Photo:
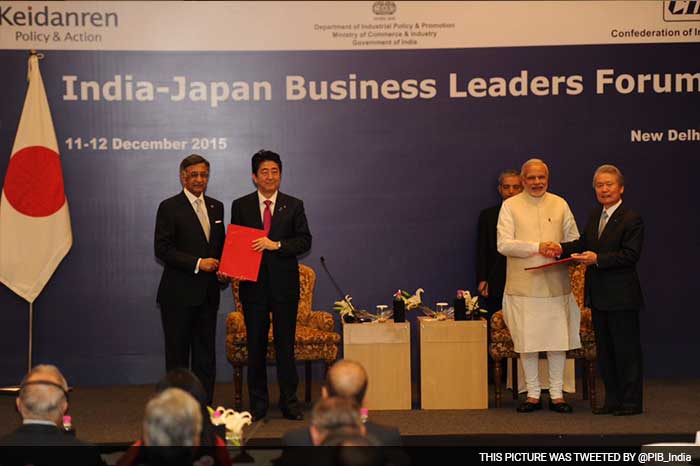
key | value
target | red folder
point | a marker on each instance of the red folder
(239, 260)
(550, 264)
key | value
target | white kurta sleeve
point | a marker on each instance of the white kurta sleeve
(570, 229)
(506, 242)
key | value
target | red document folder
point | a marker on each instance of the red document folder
(550, 264)
(238, 259)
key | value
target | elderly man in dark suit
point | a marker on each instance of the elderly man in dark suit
(276, 291)
(189, 238)
(611, 245)
(42, 402)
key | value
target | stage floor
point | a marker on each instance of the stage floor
(111, 416)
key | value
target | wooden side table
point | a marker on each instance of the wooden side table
(384, 349)
(453, 369)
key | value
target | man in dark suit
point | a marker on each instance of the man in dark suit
(189, 238)
(42, 402)
(490, 264)
(276, 291)
(347, 379)
(611, 245)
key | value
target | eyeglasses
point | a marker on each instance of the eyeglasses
(44, 382)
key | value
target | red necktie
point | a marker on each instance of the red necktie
(267, 217)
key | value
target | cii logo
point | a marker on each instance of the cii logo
(688, 10)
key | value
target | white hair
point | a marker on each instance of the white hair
(533, 162)
(611, 169)
(173, 418)
(43, 393)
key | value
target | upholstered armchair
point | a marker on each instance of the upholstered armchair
(315, 339)
(501, 346)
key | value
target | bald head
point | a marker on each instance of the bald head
(347, 379)
(42, 394)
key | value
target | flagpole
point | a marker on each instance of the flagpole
(14, 389)
(31, 340)
(35, 136)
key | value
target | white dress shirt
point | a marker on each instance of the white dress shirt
(261, 203)
(192, 198)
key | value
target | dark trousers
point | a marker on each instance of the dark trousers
(619, 356)
(257, 322)
(190, 337)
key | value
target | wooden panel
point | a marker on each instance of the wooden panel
(385, 352)
(453, 364)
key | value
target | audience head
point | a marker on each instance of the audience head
(346, 379)
(535, 176)
(509, 183)
(173, 418)
(43, 394)
(609, 184)
(185, 379)
(335, 415)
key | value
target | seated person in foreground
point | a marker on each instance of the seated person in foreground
(211, 447)
(42, 402)
(346, 379)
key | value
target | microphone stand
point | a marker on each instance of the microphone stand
(344, 295)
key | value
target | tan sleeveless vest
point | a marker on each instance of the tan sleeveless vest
(537, 219)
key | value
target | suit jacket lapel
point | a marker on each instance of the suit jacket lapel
(210, 214)
(254, 207)
(280, 210)
(614, 218)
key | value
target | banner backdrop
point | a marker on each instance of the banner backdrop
(394, 147)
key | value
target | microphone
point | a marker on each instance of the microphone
(323, 263)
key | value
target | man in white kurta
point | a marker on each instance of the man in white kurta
(538, 306)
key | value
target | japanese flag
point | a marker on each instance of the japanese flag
(35, 232)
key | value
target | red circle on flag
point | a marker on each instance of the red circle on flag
(34, 182)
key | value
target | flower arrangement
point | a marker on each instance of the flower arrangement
(472, 303)
(349, 313)
(232, 420)
(411, 301)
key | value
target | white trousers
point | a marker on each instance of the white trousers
(556, 361)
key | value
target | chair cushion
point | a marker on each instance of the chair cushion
(309, 345)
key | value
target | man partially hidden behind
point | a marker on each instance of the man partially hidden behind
(347, 379)
(538, 306)
(276, 291)
(189, 238)
(42, 402)
(490, 264)
(610, 246)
